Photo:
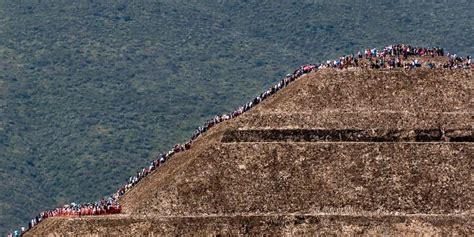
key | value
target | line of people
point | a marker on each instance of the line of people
(390, 57)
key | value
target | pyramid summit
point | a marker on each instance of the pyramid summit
(341, 147)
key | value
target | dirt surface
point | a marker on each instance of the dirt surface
(283, 168)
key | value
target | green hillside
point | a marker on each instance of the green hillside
(91, 90)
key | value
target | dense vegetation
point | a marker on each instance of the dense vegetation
(90, 90)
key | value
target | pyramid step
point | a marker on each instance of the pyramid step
(336, 119)
(225, 178)
(282, 224)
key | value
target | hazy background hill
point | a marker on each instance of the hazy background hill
(91, 90)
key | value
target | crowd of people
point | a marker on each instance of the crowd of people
(101, 207)
(390, 57)
(397, 56)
